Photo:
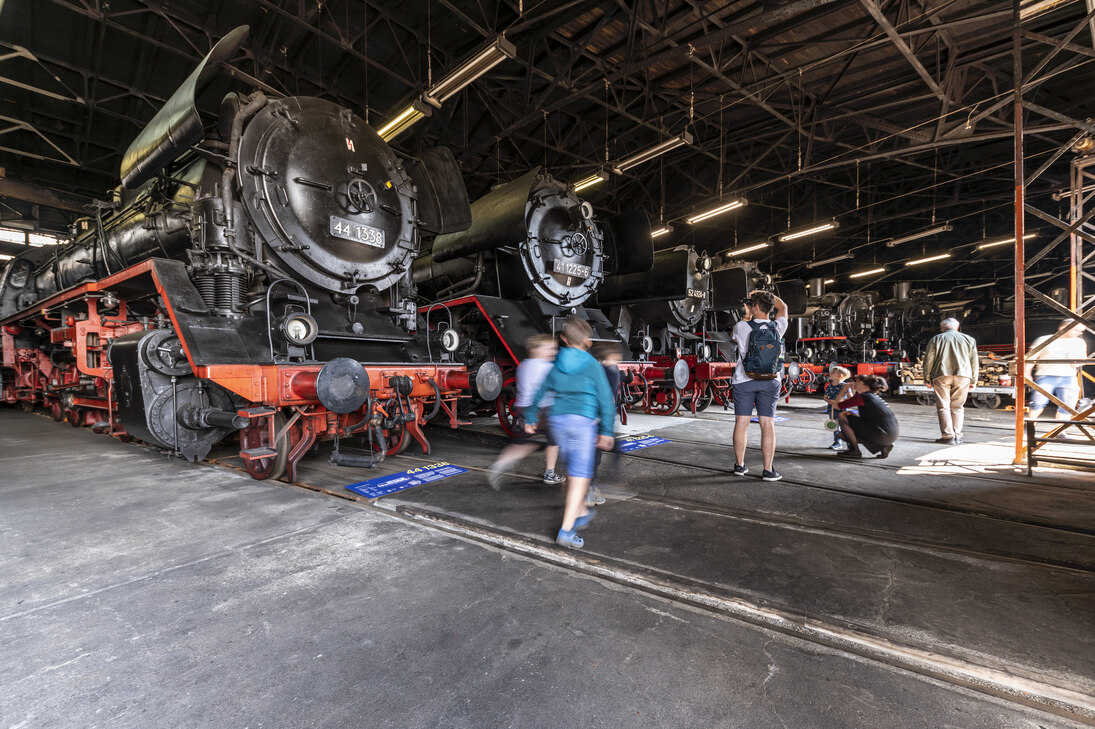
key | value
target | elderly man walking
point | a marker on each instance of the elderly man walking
(951, 365)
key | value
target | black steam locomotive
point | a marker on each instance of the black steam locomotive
(533, 255)
(252, 274)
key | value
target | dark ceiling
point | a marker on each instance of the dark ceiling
(887, 116)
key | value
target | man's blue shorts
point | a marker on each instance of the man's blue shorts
(761, 394)
(1065, 389)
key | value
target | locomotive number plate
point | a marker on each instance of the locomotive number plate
(358, 233)
(571, 269)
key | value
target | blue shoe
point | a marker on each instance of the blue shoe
(583, 521)
(838, 445)
(569, 539)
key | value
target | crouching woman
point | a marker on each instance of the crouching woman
(875, 428)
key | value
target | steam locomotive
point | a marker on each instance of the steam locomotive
(861, 331)
(249, 275)
(533, 255)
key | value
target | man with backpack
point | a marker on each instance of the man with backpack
(757, 377)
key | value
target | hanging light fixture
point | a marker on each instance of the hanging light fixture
(733, 205)
(834, 259)
(993, 244)
(480, 63)
(590, 181)
(747, 249)
(869, 272)
(656, 151)
(929, 259)
(792, 235)
(828, 281)
(661, 231)
(920, 234)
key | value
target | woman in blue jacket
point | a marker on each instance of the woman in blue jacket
(580, 419)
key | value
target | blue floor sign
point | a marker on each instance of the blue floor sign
(638, 442)
(374, 488)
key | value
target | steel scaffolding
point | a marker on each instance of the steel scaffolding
(1078, 430)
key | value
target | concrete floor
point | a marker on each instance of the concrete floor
(141, 591)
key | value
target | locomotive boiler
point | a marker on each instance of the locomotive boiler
(533, 255)
(251, 274)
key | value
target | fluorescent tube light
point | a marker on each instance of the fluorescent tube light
(870, 272)
(499, 50)
(661, 231)
(834, 259)
(590, 181)
(716, 211)
(920, 234)
(5, 257)
(403, 121)
(649, 154)
(929, 259)
(747, 249)
(792, 235)
(995, 243)
(828, 281)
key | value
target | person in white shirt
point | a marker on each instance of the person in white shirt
(1059, 379)
(749, 393)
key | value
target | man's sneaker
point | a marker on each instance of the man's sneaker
(837, 445)
(496, 473)
(958, 440)
(885, 451)
(772, 475)
(594, 496)
(851, 453)
(945, 440)
(551, 478)
(740, 470)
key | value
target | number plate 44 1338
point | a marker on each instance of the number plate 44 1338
(358, 233)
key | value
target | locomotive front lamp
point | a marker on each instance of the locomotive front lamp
(792, 235)
(590, 181)
(929, 259)
(299, 329)
(869, 272)
(733, 205)
(450, 340)
(656, 151)
(920, 234)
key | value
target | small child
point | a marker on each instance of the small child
(835, 391)
(609, 356)
(531, 374)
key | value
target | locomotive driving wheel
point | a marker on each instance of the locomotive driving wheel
(397, 439)
(662, 401)
(56, 410)
(75, 417)
(704, 400)
(504, 405)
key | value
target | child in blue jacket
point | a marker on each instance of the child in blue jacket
(581, 420)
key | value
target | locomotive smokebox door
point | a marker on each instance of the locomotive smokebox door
(328, 194)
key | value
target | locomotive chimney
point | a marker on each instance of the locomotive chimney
(817, 286)
(901, 290)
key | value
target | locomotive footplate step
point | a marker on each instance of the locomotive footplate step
(257, 454)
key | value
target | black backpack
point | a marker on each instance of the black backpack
(764, 356)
